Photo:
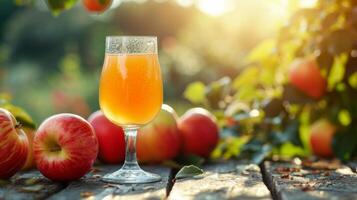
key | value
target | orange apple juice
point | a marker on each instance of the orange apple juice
(130, 92)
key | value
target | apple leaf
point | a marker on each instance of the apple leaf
(21, 116)
(337, 71)
(195, 92)
(188, 171)
(57, 6)
(33, 188)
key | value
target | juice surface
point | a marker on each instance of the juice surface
(130, 92)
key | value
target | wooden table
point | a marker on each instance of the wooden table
(225, 180)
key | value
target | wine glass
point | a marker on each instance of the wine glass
(130, 95)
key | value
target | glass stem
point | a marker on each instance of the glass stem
(130, 149)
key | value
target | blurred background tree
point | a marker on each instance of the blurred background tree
(297, 92)
(51, 64)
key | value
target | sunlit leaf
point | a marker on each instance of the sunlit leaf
(290, 150)
(262, 52)
(57, 6)
(249, 93)
(195, 92)
(267, 77)
(337, 71)
(344, 117)
(247, 77)
(234, 146)
(188, 172)
(304, 128)
(353, 80)
(21, 115)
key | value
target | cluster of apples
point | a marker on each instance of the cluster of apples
(66, 146)
(167, 136)
(306, 76)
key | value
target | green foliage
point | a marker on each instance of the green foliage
(57, 6)
(20, 114)
(267, 115)
(337, 71)
(195, 92)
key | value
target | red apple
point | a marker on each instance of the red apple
(97, 6)
(13, 145)
(199, 132)
(110, 139)
(65, 147)
(321, 136)
(305, 75)
(160, 139)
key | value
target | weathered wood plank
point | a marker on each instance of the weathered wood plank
(289, 181)
(227, 180)
(91, 187)
(29, 185)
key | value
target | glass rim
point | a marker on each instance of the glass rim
(131, 36)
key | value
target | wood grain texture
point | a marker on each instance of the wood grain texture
(28, 185)
(91, 187)
(228, 180)
(289, 181)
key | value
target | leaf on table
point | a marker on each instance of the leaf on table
(188, 171)
(31, 181)
(32, 188)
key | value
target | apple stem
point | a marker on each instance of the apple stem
(18, 125)
(130, 149)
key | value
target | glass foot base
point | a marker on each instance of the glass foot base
(131, 176)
